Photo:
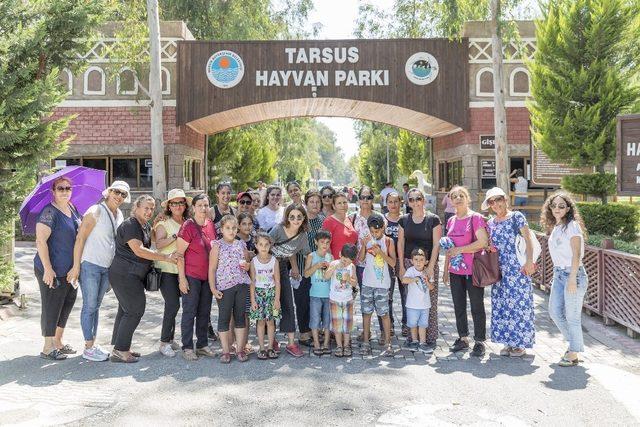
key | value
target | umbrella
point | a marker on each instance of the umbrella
(87, 186)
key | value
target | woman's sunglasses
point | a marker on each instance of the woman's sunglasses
(61, 189)
(559, 206)
(120, 193)
(296, 217)
(245, 202)
(176, 204)
(495, 200)
(327, 196)
(366, 197)
(456, 196)
(415, 199)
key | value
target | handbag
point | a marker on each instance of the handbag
(486, 265)
(521, 246)
(152, 280)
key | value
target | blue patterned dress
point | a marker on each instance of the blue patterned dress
(512, 314)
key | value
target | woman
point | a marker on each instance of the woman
(421, 229)
(326, 193)
(339, 225)
(359, 220)
(176, 210)
(193, 246)
(223, 195)
(245, 205)
(289, 239)
(92, 256)
(295, 192)
(392, 218)
(467, 230)
(512, 315)
(563, 224)
(56, 232)
(271, 212)
(127, 275)
(449, 210)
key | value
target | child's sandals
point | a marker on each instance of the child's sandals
(326, 350)
(365, 349)
(338, 352)
(271, 354)
(347, 351)
(242, 356)
(225, 358)
(262, 355)
(317, 352)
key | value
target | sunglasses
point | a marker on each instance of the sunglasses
(327, 196)
(495, 200)
(366, 197)
(245, 202)
(415, 199)
(456, 196)
(176, 204)
(559, 206)
(63, 189)
(296, 217)
(120, 193)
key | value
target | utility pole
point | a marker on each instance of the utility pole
(155, 93)
(499, 111)
(388, 175)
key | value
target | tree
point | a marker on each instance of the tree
(372, 155)
(582, 77)
(413, 153)
(37, 40)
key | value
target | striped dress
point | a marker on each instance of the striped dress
(315, 224)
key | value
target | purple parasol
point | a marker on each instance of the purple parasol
(87, 186)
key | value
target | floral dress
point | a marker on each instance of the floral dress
(512, 314)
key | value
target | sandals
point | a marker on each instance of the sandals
(517, 352)
(189, 355)
(67, 349)
(242, 356)
(119, 357)
(506, 350)
(564, 362)
(134, 353)
(318, 352)
(347, 351)
(365, 349)
(262, 355)
(326, 350)
(271, 354)
(338, 352)
(225, 358)
(54, 354)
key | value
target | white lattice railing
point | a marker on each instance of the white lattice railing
(480, 50)
(99, 52)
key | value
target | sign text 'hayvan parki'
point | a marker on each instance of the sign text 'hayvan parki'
(633, 150)
(317, 78)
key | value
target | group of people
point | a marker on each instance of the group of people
(301, 266)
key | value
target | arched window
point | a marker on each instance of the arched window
(94, 81)
(484, 82)
(66, 79)
(519, 82)
(165, 78)
(126, 82)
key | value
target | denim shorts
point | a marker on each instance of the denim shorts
(374, 299)
(417, 317)
(520, 201)
(319, 313)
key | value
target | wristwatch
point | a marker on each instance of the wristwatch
(175, 237)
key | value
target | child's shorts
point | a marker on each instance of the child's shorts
(417, 317)
(319, 313)
(341, 317)
(374, 298)
(265, 298)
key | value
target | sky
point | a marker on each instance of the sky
(337, 19)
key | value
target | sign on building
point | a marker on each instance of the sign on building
(546, 172)
(628, 158)
(487, 142)
(487, 169)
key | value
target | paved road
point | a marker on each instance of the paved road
(406, 390)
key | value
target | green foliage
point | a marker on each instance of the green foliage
(372, 157)
(413, 154)
(595, 184)
(617, 220)
(619, 245)
(582, 78)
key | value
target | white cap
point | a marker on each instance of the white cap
(176, 193)
(118, 185)
(495, 191)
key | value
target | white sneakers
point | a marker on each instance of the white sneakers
(95, 354)
(167, 350)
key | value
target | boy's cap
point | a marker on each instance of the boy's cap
(375, 220)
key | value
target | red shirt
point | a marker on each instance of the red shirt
(196, 257)
(341, 234)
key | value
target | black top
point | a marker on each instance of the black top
(418, 235)
(217, 217)
(131, 229)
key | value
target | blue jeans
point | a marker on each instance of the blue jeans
(94, 282)
(319, 313)
(565, 308)
(520, 201)
(417, 317)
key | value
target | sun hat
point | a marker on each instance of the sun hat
(176, 193)
(118, 185)
(495, 191)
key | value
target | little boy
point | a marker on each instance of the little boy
(418, 302)
(378, 252)
(342, 273)
(319, 311)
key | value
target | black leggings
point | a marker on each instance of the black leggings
(171, 295)
(288, 320)
(233, 301)
(302, 299)
(196, 310)
(460, 287)
(56, 303)
(129, 290)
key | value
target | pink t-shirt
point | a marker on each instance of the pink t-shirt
(340, 234)
(196, 257)
(460, 232)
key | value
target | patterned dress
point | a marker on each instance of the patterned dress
(512, 313)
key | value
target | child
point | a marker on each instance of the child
(245, 233)
(418, 301)
(379, 253)
(265, 294)
(319, 311)
(342, 273)
(229, 282)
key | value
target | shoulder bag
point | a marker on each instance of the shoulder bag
(521, 245)
(486, 265)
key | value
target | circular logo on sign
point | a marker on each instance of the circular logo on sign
(421, 68)
(225, 69)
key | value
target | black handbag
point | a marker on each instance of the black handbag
(152, 280)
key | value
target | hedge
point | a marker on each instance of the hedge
(615, 220)
(594, 184)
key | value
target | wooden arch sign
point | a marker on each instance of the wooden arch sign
(417, 84)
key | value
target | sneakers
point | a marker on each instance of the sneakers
(478, 349)
(205, 351)
(459, 345)
(405, 331)
(425, 348)
(387, 352)
(189, 355)
(166, 350)
(174, 345)
(95, 354)
(294, 350)
(407, 343)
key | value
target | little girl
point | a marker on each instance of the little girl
(265, 294)
(229, 282)
(246, 232)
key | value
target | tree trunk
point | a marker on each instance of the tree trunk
(499, 111)
(155, 92)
